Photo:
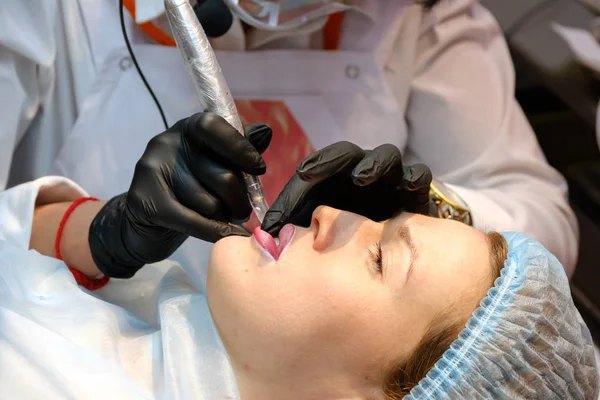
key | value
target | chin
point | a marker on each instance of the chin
(221, 265)
(228, 251)
(227, 285)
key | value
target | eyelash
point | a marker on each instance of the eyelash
(377, 257)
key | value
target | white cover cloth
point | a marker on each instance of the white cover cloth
(151, 337)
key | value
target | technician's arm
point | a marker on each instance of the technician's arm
(466, 125)
(30, 215)
(74, 247)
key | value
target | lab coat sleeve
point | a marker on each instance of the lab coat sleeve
(26, 43)
(18, 203)
(466, 125)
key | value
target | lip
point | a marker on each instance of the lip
(286, 235)
(269, 244)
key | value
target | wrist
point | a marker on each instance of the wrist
(74, 247)
(106, 241)
(445, 203)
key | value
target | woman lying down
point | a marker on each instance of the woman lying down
(370, 304)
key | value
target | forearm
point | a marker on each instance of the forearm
(74, 245)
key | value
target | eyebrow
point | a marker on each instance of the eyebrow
(404, 233)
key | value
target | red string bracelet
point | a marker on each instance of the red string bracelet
(81, 279)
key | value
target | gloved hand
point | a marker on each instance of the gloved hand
(372, 183)
(187, 183)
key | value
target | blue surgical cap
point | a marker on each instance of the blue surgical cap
(525, 341)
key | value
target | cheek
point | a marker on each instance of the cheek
(329, 299)
(351, 319)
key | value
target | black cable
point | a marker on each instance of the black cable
(524, 19)
(139, 70)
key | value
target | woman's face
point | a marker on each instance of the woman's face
(345, 299)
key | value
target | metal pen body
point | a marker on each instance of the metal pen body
(209, 82)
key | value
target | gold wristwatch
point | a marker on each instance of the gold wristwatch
(446, 203)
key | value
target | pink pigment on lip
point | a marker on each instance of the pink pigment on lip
(286, 234)
(267, 242)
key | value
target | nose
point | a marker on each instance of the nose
(335, 228)
(322, 225)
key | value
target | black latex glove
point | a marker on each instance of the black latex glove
(187, 183)
(372, 183)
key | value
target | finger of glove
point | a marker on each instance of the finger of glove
(288, 204)
(417, 177)
(225, 185)
(417, 181)
(421, 203)
(191, 194)
(259, 135)
(209, 132)
(181, 219)
(244, 229)
(329, 161)
(161, 172)
(383, 161)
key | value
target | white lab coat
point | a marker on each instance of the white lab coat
(151, 337)
(438, 85)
